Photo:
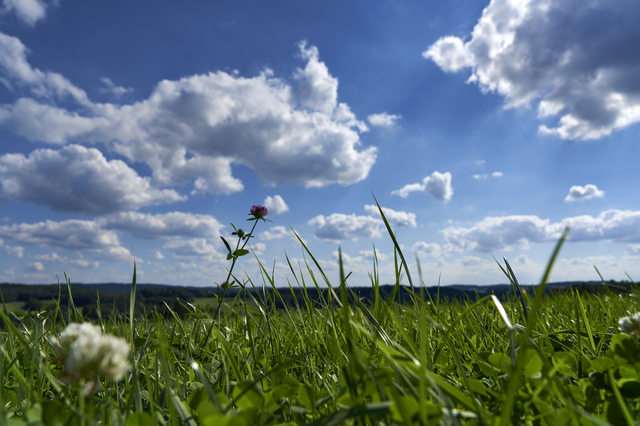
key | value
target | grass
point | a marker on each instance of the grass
(14, 306)
(532, 359)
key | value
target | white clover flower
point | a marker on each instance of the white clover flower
(630, 324)
(87, 354)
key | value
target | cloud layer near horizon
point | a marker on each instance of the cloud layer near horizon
(578, 60)
(505, 232)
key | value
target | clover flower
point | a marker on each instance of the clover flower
(630, 324)
(259, 212)
(87, 354)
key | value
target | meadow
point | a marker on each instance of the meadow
(530, 359)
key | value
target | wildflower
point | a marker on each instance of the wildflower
(630, 324)
(87, 354)
(259, 212)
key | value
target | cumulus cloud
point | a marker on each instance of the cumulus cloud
(361, 263)
(370, 255)
(397, 218)
(275, 233)
(430, 250)
(317, 90)
(29, 11)
(55, 257)
(451, 54)
(99, 240)
(579, 193)
(563, 54)
(633, 250)
(195, 248)
(276, 205)
(165, 225)
(505, 232)
(192, 130)
(501, 233)
(78, 179)
(36, 266)
(17, 251)
(17, 73)
(338, 227)
(438, 185)
(71, 234)
(383, 119)
(485, 176)
(110, 87)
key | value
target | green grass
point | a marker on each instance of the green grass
(14, 306)
(531, 359)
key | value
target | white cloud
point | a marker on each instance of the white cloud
(166, 225)
(633, 250)
(485, 176)
(383, 119)
(473, 261)
(15, 72)
(17, 251)
(98, 239)
(276, 205)
(368, 255)
(71, 234)
(88, 236)
(78, 179)
(316, 89)
(195, 128)
(275, 233)
(438, 185)
(36, 266)
(29, 11)
(258, 248)
(578, 193)
(338, 227)
(76, 262)
(158, 255)
(450, 53)
(195, 248)
(563, 54)
(397, 218)
(502, 233)
(111, 88)
(430, 250)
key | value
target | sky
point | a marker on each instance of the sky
(143, 130)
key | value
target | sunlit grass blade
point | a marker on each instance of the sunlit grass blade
(395, 243)
(515, 379)
(324, 276)
(132, 303)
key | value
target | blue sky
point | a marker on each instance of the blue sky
(483, 129)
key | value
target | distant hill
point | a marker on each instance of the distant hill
(470, 288)
(149, 297)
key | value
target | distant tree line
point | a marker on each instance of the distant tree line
(157, 298)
